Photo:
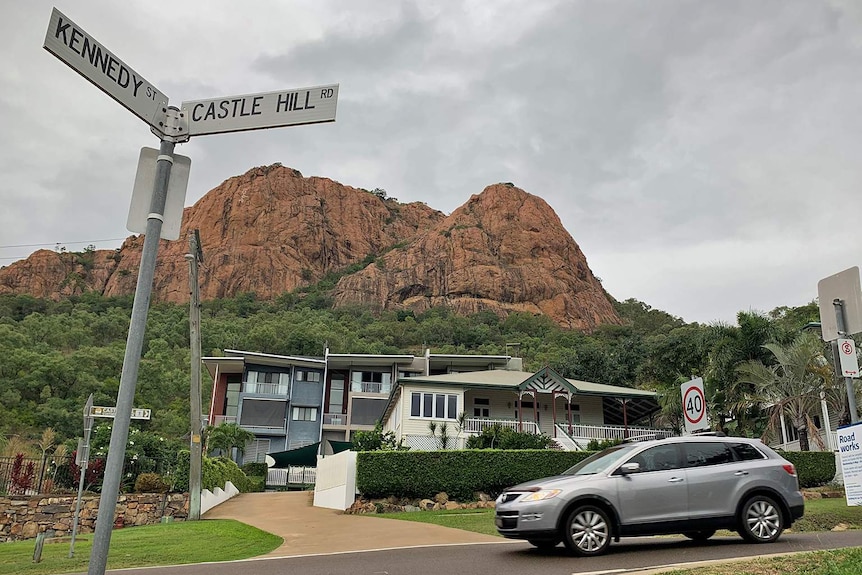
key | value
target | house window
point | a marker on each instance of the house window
(307, 375)
(263, 413)
(304, 414)
(481, 407)
(434, 405)
(370, 381)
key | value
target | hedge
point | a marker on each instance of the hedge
(422, 474)
(215, 472)
(460, 473)
(812, 467)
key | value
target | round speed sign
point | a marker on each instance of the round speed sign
(693, 404)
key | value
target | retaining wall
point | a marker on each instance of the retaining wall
(23, 517)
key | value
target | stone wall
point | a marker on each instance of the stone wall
(24, 517)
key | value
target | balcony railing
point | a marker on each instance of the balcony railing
(267, 388)
(370, 387)
(334, 419)
(472, 425)
(602, 432)
(219, 419)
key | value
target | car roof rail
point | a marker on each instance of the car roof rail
(710, 433)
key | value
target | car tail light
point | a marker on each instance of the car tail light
(789, 468)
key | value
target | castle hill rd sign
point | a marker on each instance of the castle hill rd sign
(81, 52)
(266, 110)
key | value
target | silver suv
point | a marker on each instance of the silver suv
(689, 485)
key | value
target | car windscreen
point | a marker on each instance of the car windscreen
(600, 461)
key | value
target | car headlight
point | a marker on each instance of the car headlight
(541, 495)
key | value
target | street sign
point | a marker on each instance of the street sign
(850, 456)
(847, 357)
(81, 52)
(145, 178)
(101, 411)
(257, 111)
(694, 406)
(844, 286)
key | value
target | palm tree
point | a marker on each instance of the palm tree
(227, 436)
(791, 386)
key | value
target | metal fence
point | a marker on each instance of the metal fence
(50, 475)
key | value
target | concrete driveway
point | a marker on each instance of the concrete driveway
(309, 530)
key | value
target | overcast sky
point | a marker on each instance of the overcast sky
(704, 155)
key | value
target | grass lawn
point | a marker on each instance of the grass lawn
(820, 515)
(163, 544)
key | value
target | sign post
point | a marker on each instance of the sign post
(840, 297)
(82, 459)
(81, 52)
(694, 406)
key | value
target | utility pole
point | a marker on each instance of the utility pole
(194, 257)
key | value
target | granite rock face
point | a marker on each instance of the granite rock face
(271, 231)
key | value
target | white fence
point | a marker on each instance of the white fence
(296, 476)
(478, 425)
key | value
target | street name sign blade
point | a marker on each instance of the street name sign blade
(293, 107)
(102, 411)
(81, 52)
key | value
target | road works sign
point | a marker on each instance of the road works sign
(694, 406)
(266, 110)
(68, 42)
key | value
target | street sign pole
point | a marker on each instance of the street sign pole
(195, 456)
(848, 381)
(83, 457)
(131, 363)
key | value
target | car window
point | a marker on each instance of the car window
(657, 458)
(600, 461)
(746, 452)
(707, 453)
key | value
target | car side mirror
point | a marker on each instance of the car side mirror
(628, 468)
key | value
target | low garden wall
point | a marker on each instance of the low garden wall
(23, 517)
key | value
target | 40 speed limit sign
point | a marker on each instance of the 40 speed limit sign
(694, 406)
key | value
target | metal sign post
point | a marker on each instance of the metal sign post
(83, 457)
(848, 380)
(80, 51)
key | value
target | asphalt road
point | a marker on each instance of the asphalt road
(515, 558)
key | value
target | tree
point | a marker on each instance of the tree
(226, 437)
(792, 386)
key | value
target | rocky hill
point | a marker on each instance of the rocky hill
(271, 230)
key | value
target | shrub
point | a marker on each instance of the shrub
(151, 483)
(419, 474)
(255, 469)
(499, 437)
(599, 445)
(215, 472)
(813, 468)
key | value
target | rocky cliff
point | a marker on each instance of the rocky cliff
(271, 230)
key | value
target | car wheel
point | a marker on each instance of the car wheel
(700, 535)
(760, 520)
(544, 544)
(587, 531)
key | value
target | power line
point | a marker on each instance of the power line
(61, 243)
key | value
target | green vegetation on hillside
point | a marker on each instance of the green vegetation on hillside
(56, 353)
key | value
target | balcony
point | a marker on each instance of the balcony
(476, 425)
(220, 419)
(582, 433)
(369, 387)
(334, 419)
(280, 389)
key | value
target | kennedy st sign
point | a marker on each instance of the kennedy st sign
(68, 42)
(257, 111)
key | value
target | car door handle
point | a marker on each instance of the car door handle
(674, 480)
(741, 473)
